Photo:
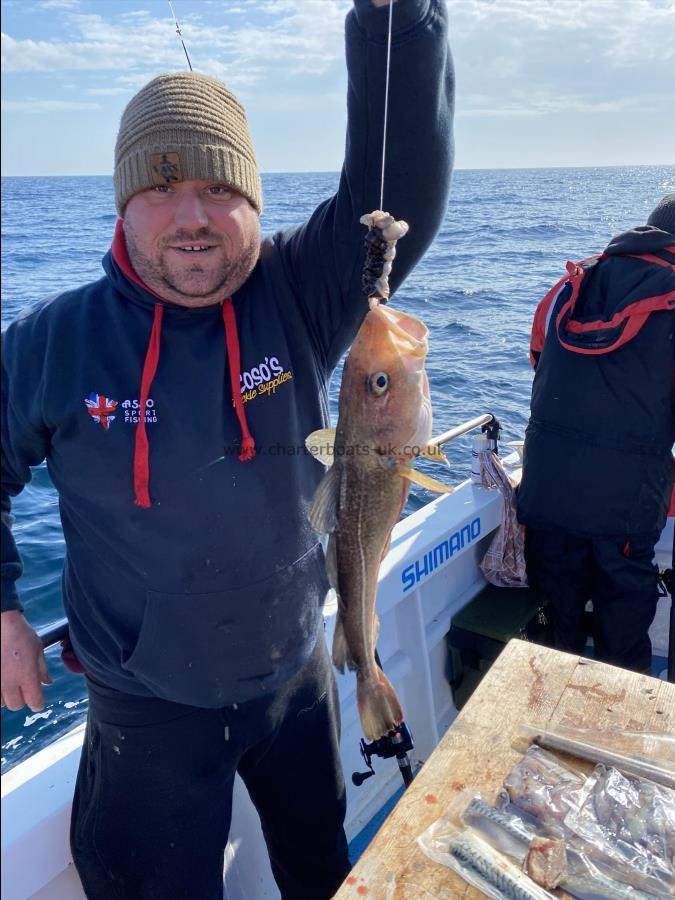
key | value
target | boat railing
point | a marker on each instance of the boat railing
(53, 633)
(487, 423)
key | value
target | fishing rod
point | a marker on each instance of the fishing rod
(180, 34)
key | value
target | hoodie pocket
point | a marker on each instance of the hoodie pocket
(228, 646)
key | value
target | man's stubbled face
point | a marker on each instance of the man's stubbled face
(193, 243)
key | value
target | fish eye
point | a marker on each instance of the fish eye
(378, 383)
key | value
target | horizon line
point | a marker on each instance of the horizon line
(337, 171)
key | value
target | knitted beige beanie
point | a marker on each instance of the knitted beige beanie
(181, 127)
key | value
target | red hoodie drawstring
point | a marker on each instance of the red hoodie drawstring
(142, 448)
(247, 449)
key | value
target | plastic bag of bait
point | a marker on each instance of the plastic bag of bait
(554, 799)
(628, 826)
(564, 860)
(540, 856)
(549, 861)
(542, 788)
(449, 842)
(645, 754)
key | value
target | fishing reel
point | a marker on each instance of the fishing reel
(395, 743)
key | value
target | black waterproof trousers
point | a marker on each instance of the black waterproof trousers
(153, 798)
(619, 576)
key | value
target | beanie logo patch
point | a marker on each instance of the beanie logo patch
(166, 168)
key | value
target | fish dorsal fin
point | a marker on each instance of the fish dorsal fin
(431, 484)
(324, 509)
(321, 444)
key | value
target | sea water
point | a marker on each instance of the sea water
(505, 240)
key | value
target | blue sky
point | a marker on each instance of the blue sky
(539, 82)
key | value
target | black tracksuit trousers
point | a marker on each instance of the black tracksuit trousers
(619, 576)
(153, 798)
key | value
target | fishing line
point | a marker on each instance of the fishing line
(180, 34)
(386, 102)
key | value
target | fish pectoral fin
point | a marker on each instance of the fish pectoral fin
(321, 445)
(431, 484)
(341, 653)
(331, 565)
(434, 453)
(324, 508)
(340, 649)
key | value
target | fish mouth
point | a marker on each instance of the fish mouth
(408, 334)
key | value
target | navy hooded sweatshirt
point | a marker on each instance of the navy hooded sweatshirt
(214, 594)
(597, 457)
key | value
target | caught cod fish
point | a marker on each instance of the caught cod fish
(384, 423)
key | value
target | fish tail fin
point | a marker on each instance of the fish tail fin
(379, 707)
(340, 647)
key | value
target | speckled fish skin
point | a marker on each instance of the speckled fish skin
(375, 432)
(507, 833)
(478, 857)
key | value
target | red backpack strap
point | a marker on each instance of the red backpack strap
(540, 321)
(545, 308)
(625, 324)
(651, 258)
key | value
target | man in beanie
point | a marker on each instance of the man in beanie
(597, 469)
(171, 400)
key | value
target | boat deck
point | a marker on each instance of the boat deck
(528, 684)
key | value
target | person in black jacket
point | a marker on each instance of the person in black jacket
(171, 400)
(597, 466)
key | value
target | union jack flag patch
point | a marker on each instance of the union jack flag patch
(101, 409)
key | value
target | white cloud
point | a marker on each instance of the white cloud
(231, 10)
(59, 4)
(298, 36)
(107, 91)
(540, 103)
(622, 32)
(543, 57)
(41, 106)
(542, 61)
(553, 106)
